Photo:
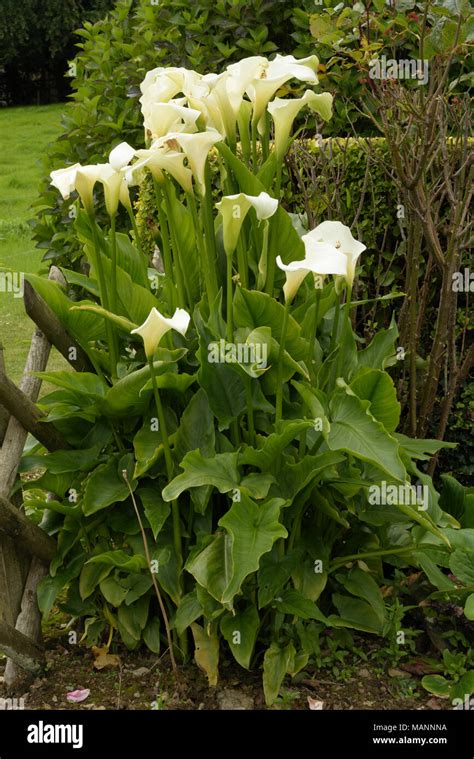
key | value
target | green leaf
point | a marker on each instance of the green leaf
(381, 350)
(104, 487)
(151, 635)
(469, 607)
(120, 559)
(211, 567)
(276, 663)
(133, 618)
(421, 449)
(274, 444)
(433, 573)
(113, 592)
(307, 581)
(187, 612)
(436, 684)
(452, 497)
(91, 576)
(293, 602)
(240, 631)
(461, 564)
(354, 430)
(220, 471)
(196, 429)
(49, 587)
(298, 476)
(156, 510)
(355, 613)
(253, 529)
(223, 386)
(254, 309)
(128, 396)
(274, 573)
(125, 324)
(61, 462)
(361, 584)
(83, 326)
(377, 387)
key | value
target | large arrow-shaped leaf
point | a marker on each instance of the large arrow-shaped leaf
(356, 431)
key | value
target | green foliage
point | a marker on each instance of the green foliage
(32, 32)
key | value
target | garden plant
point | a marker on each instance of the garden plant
(233, 483)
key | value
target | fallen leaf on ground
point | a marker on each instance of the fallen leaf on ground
(103, 659)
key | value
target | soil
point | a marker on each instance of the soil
(141, 680)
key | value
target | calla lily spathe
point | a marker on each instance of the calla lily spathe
(111, 174)
(234, 208)
(173, 116)
(339, 235)
(284, 111)
(157, 325)
(262, 78)
(320, 259)
(64, 180)
(196, 148)
(159, 159)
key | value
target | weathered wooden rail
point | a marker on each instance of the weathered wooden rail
(25, 549)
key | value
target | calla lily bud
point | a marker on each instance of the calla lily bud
(157, 325)
(284, 111)
(234, 208)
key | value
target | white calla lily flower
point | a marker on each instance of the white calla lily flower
(159, 159)
(121, 156)
(196, 148)
(86, 177)
(65, 180)
(320, 259)
(172, 116)
(156, 325)
(284, 111)
(339, 235)
(274, 75)
(234, 209)
(112, 175)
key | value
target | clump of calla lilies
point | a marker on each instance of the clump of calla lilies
(232, 269)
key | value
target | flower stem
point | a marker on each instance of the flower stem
(312, 339)
(176, 252)
(249, 401)
(254, 146)
(104, 298)
(136, 234)
(347, 316)
(202, 247)
(230, 325)
(210, 237)
(165, 238)
(335, 325)
(113, 278)
(281, 353)
(153, 575)
(263, 263)
(168, 462)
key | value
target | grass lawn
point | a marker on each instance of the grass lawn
(25, 134)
